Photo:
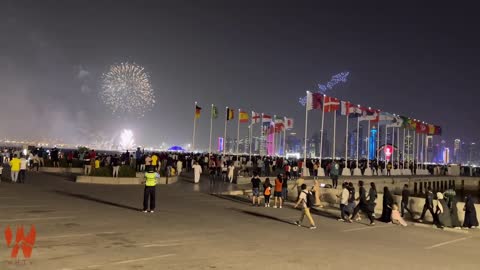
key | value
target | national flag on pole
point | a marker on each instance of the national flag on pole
(330, 104)
(288, 123)
(266, 118)
(431, 130)
(314, 101)
(396, 122)
(256, 118)
(422, 128)
(230, 114)
(214, 112)
(267, 128)
(369, 114)
(279, 125)
(411, 124)
(438, 130)
(243, 117)
(197, 111)
(350, 110)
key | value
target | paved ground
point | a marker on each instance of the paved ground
(87, 226)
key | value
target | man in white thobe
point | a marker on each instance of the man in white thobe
(197, 171)
(179, 167)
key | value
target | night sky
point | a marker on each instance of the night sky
(418, 61)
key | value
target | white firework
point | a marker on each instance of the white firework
(126, 89)
(127, 141)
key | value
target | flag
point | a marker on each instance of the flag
(267, 128)
(369, 114)
(330, 104)
(256, 118)
(345, 108)
(279, 125)
(411, 124)
(385, 116)
(396, 122)
(230, 114)
(266, 118)
(431, 130)
(314, 101)
(422, 128)
(214, 112)
(197, 112)
(288, 123)
(438, 130)
(243, 117)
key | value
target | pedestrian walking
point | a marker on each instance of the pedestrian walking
(470, 220)
(344, 216)
(428, 205)
(149, 192)
(231, 171)
(14, 168)
(387, 206)
(306, 200)
(404, 203)
(372, 197)
(285, 188)
(363, 204)
(23, 170)
(197, 171)
(334, 171)
(443, 212)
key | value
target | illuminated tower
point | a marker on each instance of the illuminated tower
(372, 144)
(456, 150)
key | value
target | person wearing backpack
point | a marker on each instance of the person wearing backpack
(307, 200)
(267, 191)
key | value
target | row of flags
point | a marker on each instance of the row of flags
(318, 101)
(277, 125)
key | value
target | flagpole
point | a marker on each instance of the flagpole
(262, 138)
(421, 149)
(211, 128)
(194, 126)
(378, 141)
(284, 136)
(408, 148)
(398, 147)
(413, 145)
(417, 152)
(346, 137)
(273, 142)
(225, 133)
(386, 140)
(334, 133)
(250, 142)
(238, 131)
(305, 138)
(358, 136)
(393, 143)
(321, 129)
(368, 143)
(403, 148)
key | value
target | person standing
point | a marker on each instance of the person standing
(155, 162)
(231, 170)
(23, 170)
(387, 206)
(86, 161)
(179, 167)
(197, 171)
(284, 188)
(54, 157)
(404, 203)
(149, 192)
(362, 204)
(278, 192)
(470, 220)
(14, 168)
(389, 169)
(115, 165)
(343, 202)
(306, 199)
(334, 171)
(267, 191)
(255, 189)
(428, 205)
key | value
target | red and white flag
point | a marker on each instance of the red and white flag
(288, 123)
(330, 104)
(256, 118)
(279, 125)
(314, 101)
(266, 118)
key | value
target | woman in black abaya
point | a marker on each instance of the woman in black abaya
(470, 220)
(387, 206)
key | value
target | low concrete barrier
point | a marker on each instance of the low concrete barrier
(121, 180)
(61, 170)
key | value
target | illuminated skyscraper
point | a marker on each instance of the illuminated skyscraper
(456, 151)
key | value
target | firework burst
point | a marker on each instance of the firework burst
(126, 89)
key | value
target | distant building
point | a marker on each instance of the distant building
(456, 151)
(473, 154)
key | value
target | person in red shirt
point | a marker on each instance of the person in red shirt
(278, 191)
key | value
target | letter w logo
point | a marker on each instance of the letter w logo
(25, 243)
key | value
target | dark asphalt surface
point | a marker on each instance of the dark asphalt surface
(88, 226)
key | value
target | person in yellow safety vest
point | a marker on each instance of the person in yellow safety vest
(149, 192)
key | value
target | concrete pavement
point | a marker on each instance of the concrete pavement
(90, 226)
